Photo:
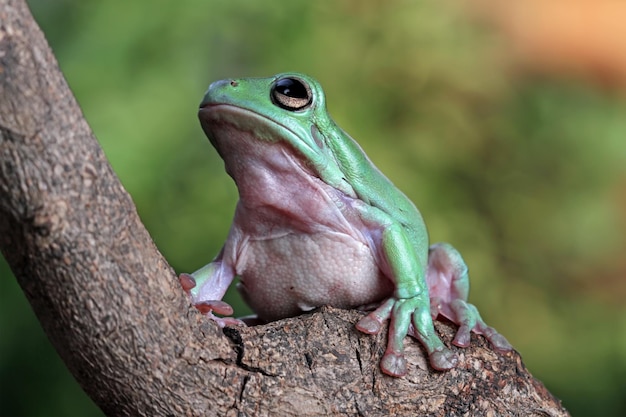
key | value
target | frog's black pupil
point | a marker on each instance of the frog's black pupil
(291, 94)
(291, 87)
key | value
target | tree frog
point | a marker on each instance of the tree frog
(318, 224)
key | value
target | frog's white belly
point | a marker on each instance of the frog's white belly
(284, 276)
(296, 242)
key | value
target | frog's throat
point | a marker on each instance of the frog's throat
(267, 129)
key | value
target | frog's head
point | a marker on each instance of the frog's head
(288, 102)
(287, 108)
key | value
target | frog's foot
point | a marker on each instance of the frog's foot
(448, 284)
(467, 317)
(394, 364)
(208, 307)
(402, 313)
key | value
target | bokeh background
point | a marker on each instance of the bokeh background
(505, 124)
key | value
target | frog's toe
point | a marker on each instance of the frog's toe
(217, 306)
(220, 307)
(187, 282)
(229, 321)
(373, 322)
(462, 337)
(498, 341)
(369, 325)
(393, 364)
(444, 359)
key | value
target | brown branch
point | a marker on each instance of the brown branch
(113, 309)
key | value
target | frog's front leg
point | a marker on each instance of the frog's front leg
(448, 283)
(207, 286)
(409, 305)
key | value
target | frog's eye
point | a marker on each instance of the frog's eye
(291, 94)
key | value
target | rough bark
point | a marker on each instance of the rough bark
(113, 309)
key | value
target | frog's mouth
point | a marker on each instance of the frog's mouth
(273, 176)
(247, 140)
(264, 128)
(242, 135)
(226, 123)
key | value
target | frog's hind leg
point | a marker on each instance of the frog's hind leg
(448, 285)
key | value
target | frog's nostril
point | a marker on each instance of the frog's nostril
(234, 83)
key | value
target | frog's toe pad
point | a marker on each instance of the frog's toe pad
(187, 282)
(393, 364)
(499, 342)
(217, 306)
(228, 321)
(463, 337)
(369, 325)
(442, 360)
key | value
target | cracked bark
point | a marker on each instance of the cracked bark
(113, 309)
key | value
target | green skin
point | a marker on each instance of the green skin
(305, 186)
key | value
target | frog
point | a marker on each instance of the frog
(317, 223)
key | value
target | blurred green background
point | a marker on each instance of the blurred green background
(526, 176)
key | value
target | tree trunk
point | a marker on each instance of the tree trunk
(113, 308)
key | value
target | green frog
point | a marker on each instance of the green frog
(318, 224)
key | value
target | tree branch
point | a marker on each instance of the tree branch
(113, 308)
